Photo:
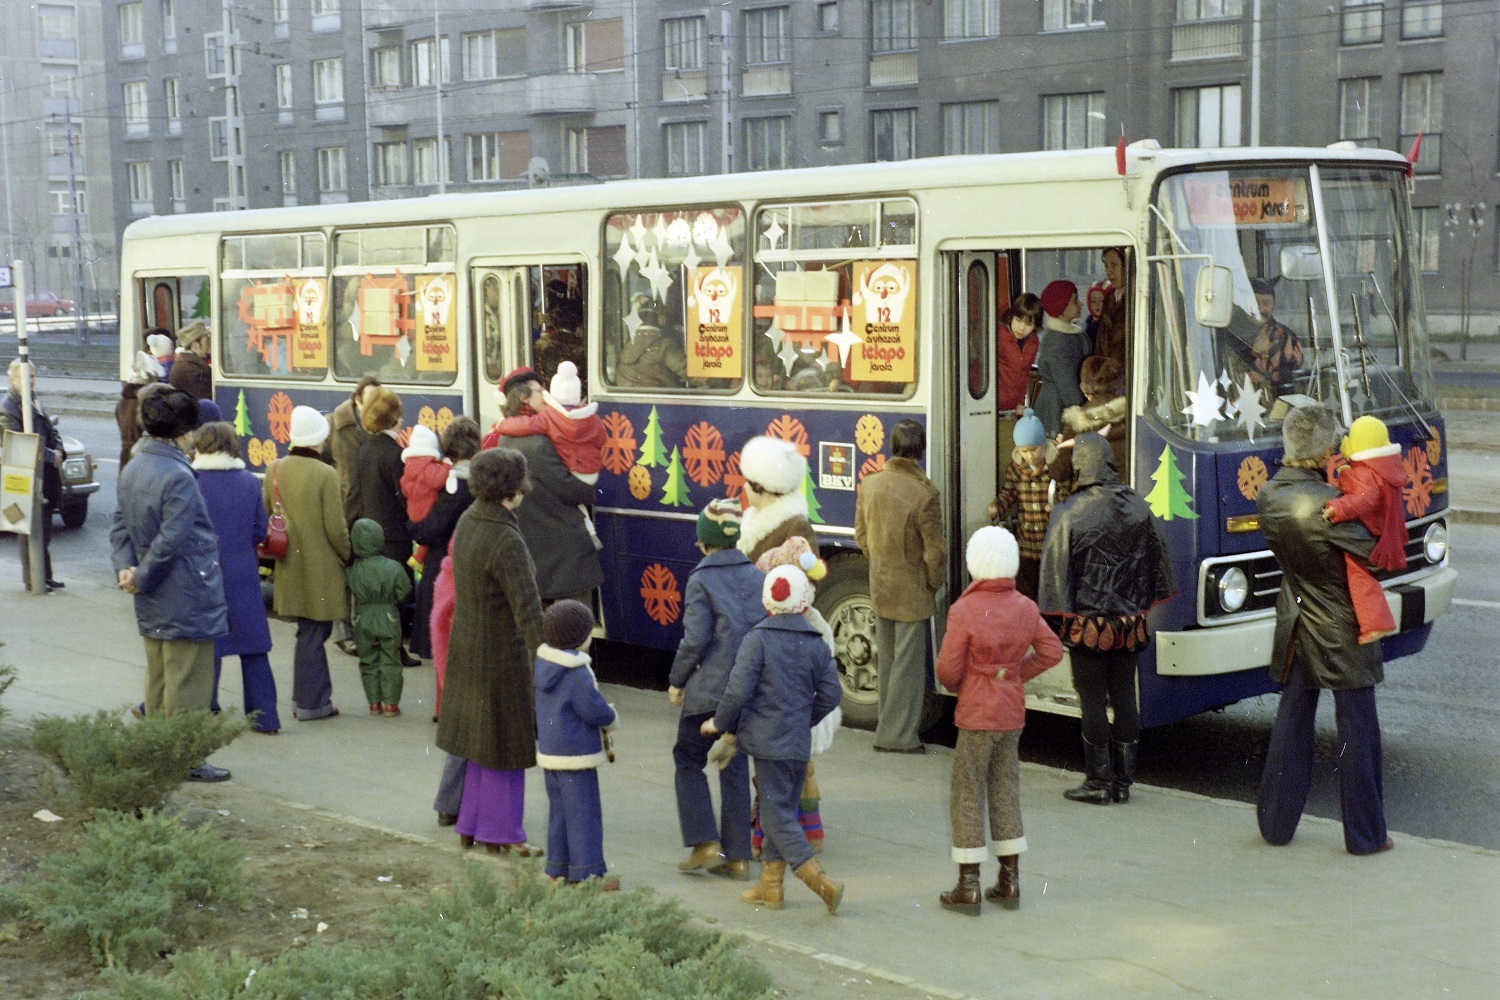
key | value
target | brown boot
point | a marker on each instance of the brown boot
(965, 896)
(829, 890)
(767, 892)
(1007, 889)
(704, 855)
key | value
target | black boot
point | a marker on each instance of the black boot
(1122, 757)
(966, 894)
(1097, 776)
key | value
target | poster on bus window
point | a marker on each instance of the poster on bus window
(715, 341)
(885, 320)
(310, 345)
(437, 326)
(1244, 201)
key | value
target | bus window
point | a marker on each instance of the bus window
(395, 305)
(976, 332)
(273, 302)
(836, 297)
(161, 302)
(673, 310)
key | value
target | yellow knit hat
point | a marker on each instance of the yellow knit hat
(1368, 438)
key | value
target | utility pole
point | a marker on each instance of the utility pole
(80, 304)
(234, 122)
(437, 83)
(726, 84)
(1255, 74)
(10, 218)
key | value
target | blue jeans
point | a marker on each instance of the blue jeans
(312, 690)
(695, 807)
(575, 825)
(780, 788)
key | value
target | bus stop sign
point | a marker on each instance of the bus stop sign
(4, 275)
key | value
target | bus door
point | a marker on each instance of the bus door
(169, 300)
(972, 451)
(531, 314)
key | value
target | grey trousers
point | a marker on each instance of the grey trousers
(902, 648)
(450, 791)
(986, 770)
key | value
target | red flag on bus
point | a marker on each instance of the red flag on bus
(1413, 153)
(1120, 155)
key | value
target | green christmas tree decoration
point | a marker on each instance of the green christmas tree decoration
(242, 417)
(675, 491)
(653, 451)
(814, 508)
(1167, 498)
(202, 306)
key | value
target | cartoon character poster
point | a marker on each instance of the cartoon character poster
(885, 307)
(310, 344)
(437, 340)
(715, 347)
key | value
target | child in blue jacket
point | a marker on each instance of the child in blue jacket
(571, 716)
(783, 683)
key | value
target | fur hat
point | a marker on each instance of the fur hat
(160, 344)
(795, 551)
(1029, 432)
(309, 428)
(719, 524)
(773, 465)
(422, 443)
(191, 333)
(146, 368)
(208, 412)
(166, 411)
(1100, 376)
(1308, 432)
(992, 554)
(786, 591)
(520, 374)
(567, 624)
(1368, 439)
(566, 387)
(381, 410)
(1057, 295)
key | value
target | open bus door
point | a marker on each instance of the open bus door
(526, 314)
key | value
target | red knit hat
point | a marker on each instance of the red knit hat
(1057, 295)
(520, 374)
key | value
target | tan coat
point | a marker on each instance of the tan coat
(310, 579)
(898, 524)
(345, 435)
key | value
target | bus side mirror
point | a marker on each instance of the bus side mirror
(1301, 263)
(1213, 297)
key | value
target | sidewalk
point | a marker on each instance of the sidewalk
(1173, 895)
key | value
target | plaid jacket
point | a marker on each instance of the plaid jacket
(1022, 502)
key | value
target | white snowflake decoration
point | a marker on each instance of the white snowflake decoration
(844, 340)
(788, 354)
(1203, 405)
(624, 256)
(1231, 408)
(660, 231)
(773, 233)
(638, 230)
(1249, 407)
(680, 233)
(723, 251)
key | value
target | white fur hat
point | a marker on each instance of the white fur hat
(309, 428)
(423, 443)
(160, 344)
(566, 387)
(992, 554)
(146, 369)
(774, 465)
(786, 591)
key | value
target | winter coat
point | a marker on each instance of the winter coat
(377, 584)
(783, 683)
(489, 716)
(423, 477)
(41, 424)
(721, 603)
(1316, 628)
(898, 524)
(1058, 364)
(440, 624)
(128, 417)
(377, 492)
(765, 528)
(435, 531)
(192, 375)
(1371, 489)
(238, 513)
(1109, 420)
(1013, 372)
(577, 434)
(1023, 503)
(570, 711)
(163, 529)
(1110, 337)
(310, 578)
(994, 643)
(553, 526)
(1104, 564)
(345, 436)
(651, 360)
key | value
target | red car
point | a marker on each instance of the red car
(40, 304)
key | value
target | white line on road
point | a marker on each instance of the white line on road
(1469, 602)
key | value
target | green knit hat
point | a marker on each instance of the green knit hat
(719, 524)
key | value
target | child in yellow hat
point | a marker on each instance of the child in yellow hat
(1371, 486)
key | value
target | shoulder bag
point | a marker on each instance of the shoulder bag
(276, 540)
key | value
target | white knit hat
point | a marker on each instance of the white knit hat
(146, 369)
(992, 554)
(309, 428)
(423, 443)
(773, 464)
(566, 387)
(786, 591)
(160, 344)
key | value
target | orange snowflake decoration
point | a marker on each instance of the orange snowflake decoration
(260, 453)
(619, 443)
(427, 418)
(734, 482)
(871, 465)
(869, 433)
(1252, 476)
(703, 453)
(1417, 493)
(660, 595)
(279, 416)
(639, 482)
(789, 428)
(1435, 447)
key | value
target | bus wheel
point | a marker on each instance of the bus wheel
(844, 600)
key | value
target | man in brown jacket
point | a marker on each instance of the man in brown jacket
(344, 439)
(898, 524)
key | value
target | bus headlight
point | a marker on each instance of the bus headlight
(1233, 589)
(1435, 542)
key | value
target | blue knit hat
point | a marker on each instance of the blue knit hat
(1029, 431)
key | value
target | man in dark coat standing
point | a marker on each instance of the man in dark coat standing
(12, 418)
(1317, 644)
(190, 371)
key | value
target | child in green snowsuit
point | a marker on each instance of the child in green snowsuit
(378, 585)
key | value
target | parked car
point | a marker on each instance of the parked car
(78, 483)
(40, 304)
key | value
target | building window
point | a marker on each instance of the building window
(828, 17)
(64, 203)
(1208, 117)
(765, 36)
(333, 177)
(62, 26)
(426, 166)
(59, 83)
(682, 42)
(328, 80)
(1208, 10)
(139, 176)
(321, 7)
(971, 127)
(288, 172)
(137, 114)
(1073, 121)
(488, 54)
(132, 30)
(971, 18)
(893, 25)
(168, 20)
(1362, 22)
(218, 138)
(1428, 226)
(175, 185)
(1422, 113)
(893, 134)
(684, 142)
(1359, 111)
(830, 127)
(174, 104)
(284, 86)
(385, 67)
(765, 143)
(57, 143)
(1060, 15)
(495, 156)
(390, 164)
(213, 54)
(596, 46)
(281, 11)
(1421, 19)
(423, 54)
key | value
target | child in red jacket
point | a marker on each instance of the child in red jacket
(995, 642)
(1371, 486)
(423, 477)
(1016, 346)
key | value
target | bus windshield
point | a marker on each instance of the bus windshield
(1359, 344)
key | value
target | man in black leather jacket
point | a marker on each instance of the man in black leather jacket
(1317, 644)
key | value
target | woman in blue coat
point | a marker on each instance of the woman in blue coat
(233, 497)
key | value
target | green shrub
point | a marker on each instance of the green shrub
(524, 938)
(7, 678)
(135, 765)
(133, 887)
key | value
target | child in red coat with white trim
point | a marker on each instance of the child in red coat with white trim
(1371, 486)
(423, 477)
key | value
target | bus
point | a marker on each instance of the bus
(824, 305)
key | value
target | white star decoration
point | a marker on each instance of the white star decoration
(1249, 407)
(624, 256)
(787, 354)
(660, 277)
(659, 231)
(638, 230)
(692, 260)
(1203, 405)
(1231, 407)
(776, 333)
(723, 252)
(844, 340)
(632, 322)
(774, 232)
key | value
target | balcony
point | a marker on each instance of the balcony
(893, 69)
(1220, 39)
(552, 5)
(684, 85)
(565, 93)
(766, 80)
(394, 109)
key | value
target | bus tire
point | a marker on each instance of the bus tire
(844, 601)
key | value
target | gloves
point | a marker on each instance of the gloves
(674, 695)
(723, 751)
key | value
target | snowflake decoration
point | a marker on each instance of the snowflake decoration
(638, 230)
(1203, 405)
(1247, 406)
(844, 340)
(787, 354)
(624, 256)
(680, 233)
(773, 233)
(692, 260)
(723, 252)
(659, 277)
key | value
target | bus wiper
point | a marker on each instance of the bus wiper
(1395, 328)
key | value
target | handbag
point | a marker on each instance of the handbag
(276, 541)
